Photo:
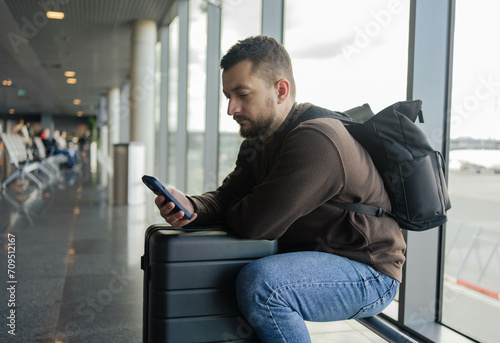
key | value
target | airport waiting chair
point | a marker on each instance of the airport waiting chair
(52, 162)
(18, 155)
(21, 206)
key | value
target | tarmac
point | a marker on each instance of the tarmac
(472, 256)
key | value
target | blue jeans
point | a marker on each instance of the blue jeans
(277, 293)
(68, 154)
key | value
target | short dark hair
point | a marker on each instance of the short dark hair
(270, 60)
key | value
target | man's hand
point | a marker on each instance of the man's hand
(176, 219)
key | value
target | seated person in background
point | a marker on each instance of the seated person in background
(60, 139)
(53, 148)
(21, 129)
(340, 264)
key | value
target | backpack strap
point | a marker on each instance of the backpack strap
(363, 209)
(315, 112)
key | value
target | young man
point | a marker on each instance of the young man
(343, 264)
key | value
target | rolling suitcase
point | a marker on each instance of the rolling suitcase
(189, 276)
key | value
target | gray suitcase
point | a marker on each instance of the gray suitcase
(189, 279)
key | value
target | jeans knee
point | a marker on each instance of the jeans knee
(252, 293)
(254, 276)
(253, 284)
(245, 281)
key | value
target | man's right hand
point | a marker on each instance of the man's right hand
(176, 219)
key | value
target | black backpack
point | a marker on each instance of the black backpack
(412, 171)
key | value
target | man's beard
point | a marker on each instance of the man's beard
(259, 126)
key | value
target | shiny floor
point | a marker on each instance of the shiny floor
(71, 265)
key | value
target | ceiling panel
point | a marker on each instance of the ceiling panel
(93, 40)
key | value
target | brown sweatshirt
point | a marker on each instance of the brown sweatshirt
(280, 188)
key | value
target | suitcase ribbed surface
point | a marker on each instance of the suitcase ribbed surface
(189, 279)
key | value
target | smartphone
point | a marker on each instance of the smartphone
(159, 189)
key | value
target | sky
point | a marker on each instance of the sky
(476, 70)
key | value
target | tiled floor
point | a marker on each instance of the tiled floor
(77, 266)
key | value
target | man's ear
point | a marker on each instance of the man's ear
(283, 90)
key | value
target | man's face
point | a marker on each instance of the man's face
(251, 101)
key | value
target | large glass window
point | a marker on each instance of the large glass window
(173, 91)
(347, 53)
(472, 260)
(159, 149)
(350, 54)
(240, 19)
(196, 94)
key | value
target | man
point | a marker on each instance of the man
(343, 264)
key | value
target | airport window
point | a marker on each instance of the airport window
(173, 77)
(348, 53)
(196, 94)
(240, 19)
(157, 113)
(472, 258)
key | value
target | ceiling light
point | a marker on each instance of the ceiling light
(71, 81)
(77, 102)
(12, 111)
(55, 15)
(7, 83)
(69, 73)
